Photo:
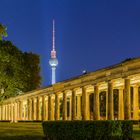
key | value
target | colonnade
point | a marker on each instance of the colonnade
(74, 104)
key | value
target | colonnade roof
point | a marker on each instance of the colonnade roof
(132, 63)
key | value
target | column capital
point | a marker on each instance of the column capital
(38, 97)
(84, 88)
(96, 84)
(120, 88)
(136, 85)
(125, 77)
(65, 91)
(111, 81)
(29, 99)
(57, 93)
(75, 89)
(43, 96)
(49, 96)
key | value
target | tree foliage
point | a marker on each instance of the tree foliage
(3, 32)
(19, 71)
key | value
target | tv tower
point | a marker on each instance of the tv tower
(53, 61)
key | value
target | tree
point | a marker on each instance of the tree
(19, 71)
(3, 32)
(31, 67)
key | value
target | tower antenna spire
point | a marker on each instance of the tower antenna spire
(53, 35)
(53, 52)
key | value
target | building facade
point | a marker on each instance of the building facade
(112, 93)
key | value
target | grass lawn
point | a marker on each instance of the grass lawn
(34, 131)
(21, 131)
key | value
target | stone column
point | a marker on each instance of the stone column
(0, 113)
(79, 107)
(50, 108)
(46, 109)
(127, 107)
(5, 112)
(110, 101)
(29, 106)
(70, 111)
(57, 107)
(28, 109)
(23, 116)
(96, 103)
(64, 106)
(14, 112)
(135, 102)
(12, 115)
(8, 112)
(73, 104)
(43, 109)
(38, 108)
(20, 109)
(106, 104)
(17, 110)
(121, 104)
(33, 109)
(85, 105)
(53, 101)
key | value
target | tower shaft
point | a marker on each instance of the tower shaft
(53, 75)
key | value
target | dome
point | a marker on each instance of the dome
(53, 62)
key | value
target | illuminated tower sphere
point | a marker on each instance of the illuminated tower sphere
(53, 61)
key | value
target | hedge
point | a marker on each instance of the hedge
(88, 130)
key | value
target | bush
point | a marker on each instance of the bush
(88, 130)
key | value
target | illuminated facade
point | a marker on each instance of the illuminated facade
(107, 94)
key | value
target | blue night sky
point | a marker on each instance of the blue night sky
(90, 34)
